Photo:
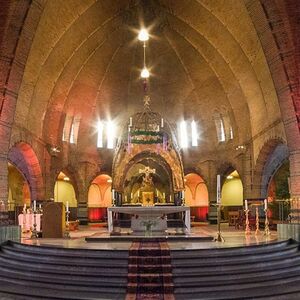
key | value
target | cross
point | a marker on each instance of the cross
(147, 171)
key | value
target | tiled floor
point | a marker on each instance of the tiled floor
(232, 236)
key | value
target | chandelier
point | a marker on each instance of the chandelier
(147, 126)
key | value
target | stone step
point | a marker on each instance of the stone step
(66, 252)
(62, 286)
(254, 250)
(286, 251)
(75, 279)
(220, 279)
(235, 260)
(11, 291)
(62, 269)
(270, 284)
(83, 261)
(250, 291)
(235, 268)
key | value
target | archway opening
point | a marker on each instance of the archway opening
(64, 192)
(18, 190)
(231, 194)
(99, 198)
(148, 182)
(279, 189)
(196, 196)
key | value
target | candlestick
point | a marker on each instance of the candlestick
(257, 221)
(218, 188)
(34, 231)
(67, 229)
(266, 204)
(267, 230)
(247, 228)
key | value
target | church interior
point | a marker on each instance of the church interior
(149, 149)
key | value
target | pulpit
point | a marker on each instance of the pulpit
(53, 220)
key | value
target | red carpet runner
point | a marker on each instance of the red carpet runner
(150, 271)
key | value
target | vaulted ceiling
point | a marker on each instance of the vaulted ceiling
(204, 55)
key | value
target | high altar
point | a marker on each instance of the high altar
(154, 214)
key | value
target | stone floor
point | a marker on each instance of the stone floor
(233, 238)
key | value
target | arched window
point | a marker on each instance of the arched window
(220, 128)
(223, 126)
(71, 128)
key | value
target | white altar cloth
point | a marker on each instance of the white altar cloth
(150, 212)
(29, 220)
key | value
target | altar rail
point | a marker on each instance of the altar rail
(10, 232)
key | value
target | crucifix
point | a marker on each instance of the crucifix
(147, 171)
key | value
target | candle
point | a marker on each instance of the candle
(130, 121)
(131, 195)
(40, 206)
(218, 188)
(164, 195)
(24, 208)
(162, 123)
(138, 193)
(112, 193)
(182, 194)
(266, 204)
(170, 198)
(67, 206)
(246, 204)
(34, 205)
(125, 198)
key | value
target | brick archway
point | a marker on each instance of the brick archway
(24, 158)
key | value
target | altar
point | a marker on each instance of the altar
(144, 214)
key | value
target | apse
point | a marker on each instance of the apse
(196, 196)
(64, 192)
(232, 190)
(99, 198)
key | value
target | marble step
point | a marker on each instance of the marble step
(236, 268)
(66, 252)
(203, 261)
(191, 281)
(62, 286)
(254, 250)
(84, 261)
(256, 290)
(11, 291)
(75, 279)
(106, 270)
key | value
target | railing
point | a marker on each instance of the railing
(286, 210)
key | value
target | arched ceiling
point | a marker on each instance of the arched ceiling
(204, 55)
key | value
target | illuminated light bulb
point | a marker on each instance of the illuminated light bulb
(145, 73)
(143, 35)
